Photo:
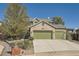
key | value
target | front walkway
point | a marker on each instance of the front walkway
(55, 46)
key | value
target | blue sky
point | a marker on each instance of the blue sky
(69, 12)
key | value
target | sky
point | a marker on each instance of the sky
(69, 12)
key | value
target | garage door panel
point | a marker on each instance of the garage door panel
(42, 34)
(59, 35)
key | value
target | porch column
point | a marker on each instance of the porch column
(53, 35)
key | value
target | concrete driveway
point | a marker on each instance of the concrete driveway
(54, 46)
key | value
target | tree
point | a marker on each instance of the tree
(58, 20)
(15, 21)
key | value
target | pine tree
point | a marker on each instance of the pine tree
(15, 21)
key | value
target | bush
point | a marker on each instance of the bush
(20, 45)
(26, 44)
(30, 38)
(12, 44)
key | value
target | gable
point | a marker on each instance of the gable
(42, 26)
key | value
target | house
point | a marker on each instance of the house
(69, 34)
(76, 34)
(44, 29)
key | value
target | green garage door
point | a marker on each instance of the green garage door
(42, 35)
(59, 35)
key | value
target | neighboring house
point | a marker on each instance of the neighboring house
(70, 33)
(76, 34)
(44, 29)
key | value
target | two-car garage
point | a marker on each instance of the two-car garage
(48, 35)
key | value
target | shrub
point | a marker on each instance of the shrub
(30, 38)
(20, 45)
(26, 44)
(12, 44)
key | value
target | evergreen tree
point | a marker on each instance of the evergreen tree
(58, 20)
(15, 21)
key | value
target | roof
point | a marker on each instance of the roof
(58, 26)
(69, 29)
(77, 30)
(39, 19)
(46, 20)
(53, 25)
